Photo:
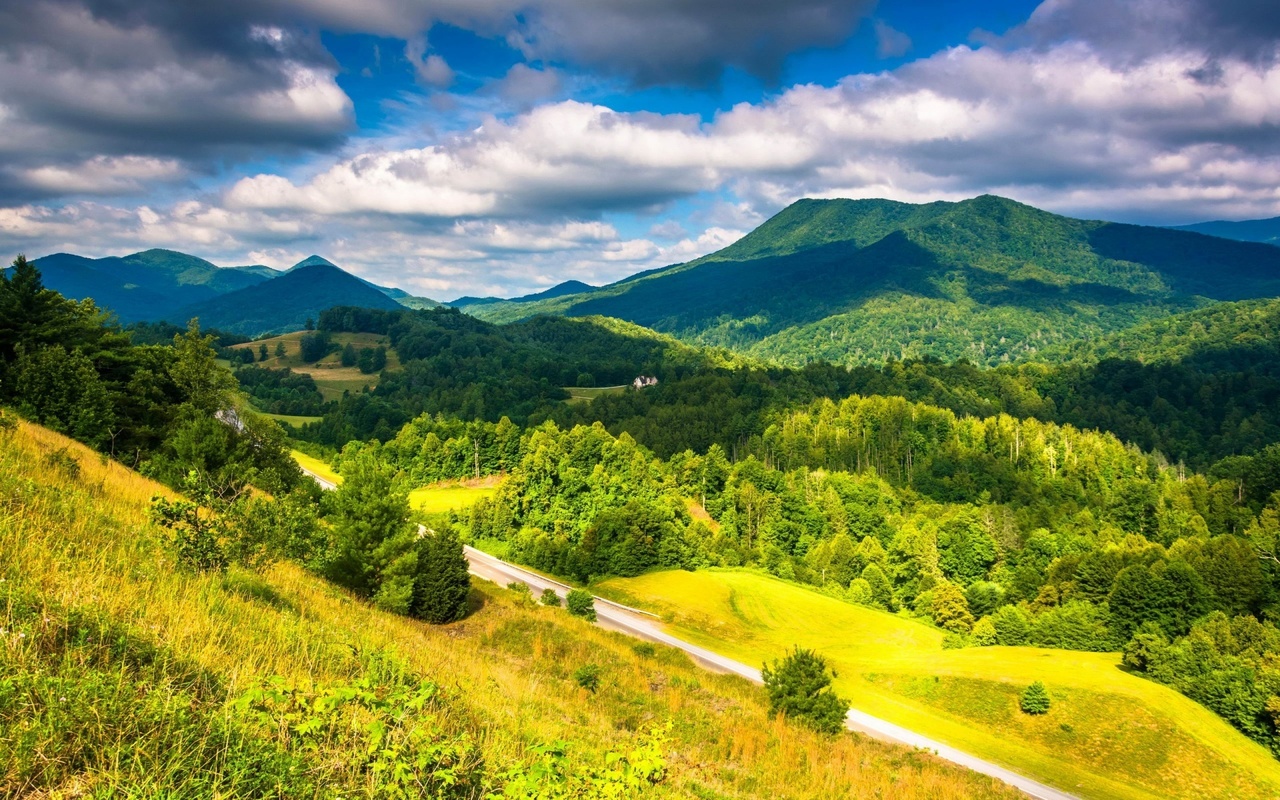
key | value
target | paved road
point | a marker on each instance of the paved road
(643, 625)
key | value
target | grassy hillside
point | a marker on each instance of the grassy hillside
(125, 676)
(985, 279)
(1109, 734)
(331, 378)
(287, 302)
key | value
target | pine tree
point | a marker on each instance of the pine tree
(798, 686)
(1035, 699)
(442, 582)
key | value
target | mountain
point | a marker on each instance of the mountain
(285, 303)
(559, 290)
(399, 295)
(986, 279)
(1266, 231)
(147, 285)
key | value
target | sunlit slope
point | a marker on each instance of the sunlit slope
(1109, 734)
(76, 550)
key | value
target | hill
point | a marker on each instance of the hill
(124, 676)
(1266, 231)
(143, 286)
(559, 290)
(987, 279)
(1109, 734)
(285, 303)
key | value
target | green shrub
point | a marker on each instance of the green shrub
(581, 604)
(644, 649)
(984, 632)
(550, 598)
(587, 676)
(1035, 699)
(1012, 625)
(799, 686)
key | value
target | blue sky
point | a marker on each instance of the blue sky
(499, 146)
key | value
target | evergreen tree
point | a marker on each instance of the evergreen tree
(950, 609)
(442, 581)
(880, 588)
(349, 355)
(798, 686)
(262, 352)
(370, 514)
(1035, 699)
(280, 349)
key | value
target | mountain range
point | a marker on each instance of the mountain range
(251, 300)
(987, 279)
(1266, 231)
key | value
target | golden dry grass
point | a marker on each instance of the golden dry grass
(83, 541)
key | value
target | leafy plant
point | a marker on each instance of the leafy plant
(581, 604)
(587, 676)
(550, 598)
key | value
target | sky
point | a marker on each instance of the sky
(498, 147)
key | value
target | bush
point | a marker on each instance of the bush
(524, 595)
(1012, 626)
(587, 676)
(581, 604)
(644, 649)
(1035, 699)
(984, 632)
(799, 686)
(550, 598)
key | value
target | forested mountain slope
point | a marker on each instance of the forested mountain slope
(1249, 230)
(987, 279)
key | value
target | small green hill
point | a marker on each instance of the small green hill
(285, 303)
(987, 279)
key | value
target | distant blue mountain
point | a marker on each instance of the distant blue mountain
(1266, 231)
(559, 290)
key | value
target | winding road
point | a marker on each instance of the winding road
(643, 625)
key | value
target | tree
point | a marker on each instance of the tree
(950, 609)
(313, 346)
(1012, 626)
(310, 325)
(581, 604)
(262, 352)
(880, 588)
(370, 514)
(1035, 699)
(799, 687)
(206, 387)
(349, 355)
(280, 349)
(63, 391)
(442, 582)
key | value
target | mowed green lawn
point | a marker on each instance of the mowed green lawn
(434, 499)
(1109, 734)
(585, 394)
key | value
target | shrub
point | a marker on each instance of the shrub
(1012, 626)
(956, 641)
(581, 604)
(587, 676)
(644, 649)
(1035, 699)
(984, 632)
(550, 598)
(799, 686)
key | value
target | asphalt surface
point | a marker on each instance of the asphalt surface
(642, 625)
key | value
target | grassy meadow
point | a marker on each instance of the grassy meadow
(451, 495)
(332, 379)
(585, 394)
(120, 673)
(316, 466)
(1109, 734)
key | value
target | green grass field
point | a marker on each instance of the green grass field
(1109, 734)
(332, 379)
(585, 394)
(434, 499)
